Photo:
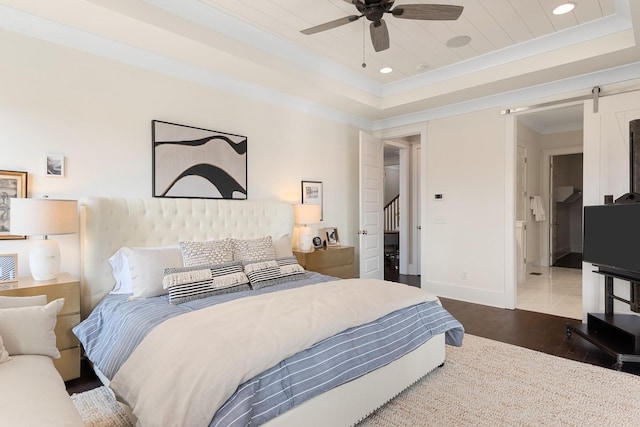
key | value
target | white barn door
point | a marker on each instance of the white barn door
(371, 205)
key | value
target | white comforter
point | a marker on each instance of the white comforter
(188, 366)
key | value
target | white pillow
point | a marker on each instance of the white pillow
(16, 302)
(121, 274)
(282, 247)
(4, 356)
(30, 330)
(146, 267)
(126, 263)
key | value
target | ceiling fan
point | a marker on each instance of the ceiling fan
(374, 10)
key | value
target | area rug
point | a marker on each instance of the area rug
(483, 383)
(98, 408)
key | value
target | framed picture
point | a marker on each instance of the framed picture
(312, 194)
(198, 163)
(8, 268)
(330, 234)
(55, 165)
(12, 184)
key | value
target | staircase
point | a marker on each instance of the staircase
(392, 214)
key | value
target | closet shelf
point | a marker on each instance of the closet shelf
(567, 194)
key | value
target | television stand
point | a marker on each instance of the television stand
(618, 335)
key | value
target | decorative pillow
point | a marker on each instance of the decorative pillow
(30, 330)
(146, 268)
(4, 356)
(211, 252)
(253, 250)
(282, 247)
(17, 302)
(123, 270)
(189, 283)
(267, 273)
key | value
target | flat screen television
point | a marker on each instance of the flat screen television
(611, 239)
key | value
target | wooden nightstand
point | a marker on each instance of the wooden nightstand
(333, 261)
(67, 287)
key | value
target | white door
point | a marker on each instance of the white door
(553, 217)
(606, 172)
(371, 206)
(521, 211)
(418, 216)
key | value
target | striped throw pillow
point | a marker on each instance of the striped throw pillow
(190, 283)
(268, 273)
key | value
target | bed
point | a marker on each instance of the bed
(354, 311)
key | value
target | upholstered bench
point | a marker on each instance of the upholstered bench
(32, 392)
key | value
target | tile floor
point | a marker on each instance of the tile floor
(556, 290)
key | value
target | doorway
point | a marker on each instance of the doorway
(551, 226)
(565, 227)
(391, 211)
(408, 139)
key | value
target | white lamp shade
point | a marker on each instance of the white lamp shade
(307, 214)
(43, 217)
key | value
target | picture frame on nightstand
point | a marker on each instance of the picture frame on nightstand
(8, 268)
(331, 236)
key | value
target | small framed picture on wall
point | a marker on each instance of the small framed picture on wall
(55, 165)
(312, 194)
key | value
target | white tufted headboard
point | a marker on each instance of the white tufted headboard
(107, 224)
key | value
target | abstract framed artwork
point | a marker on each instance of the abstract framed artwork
(12, 184)
(198, 163)
(312, 194)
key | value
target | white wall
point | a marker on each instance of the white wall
(465, 232)
(98, 114)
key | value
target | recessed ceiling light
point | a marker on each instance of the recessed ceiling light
(386, 70)
(564, 8)
(458, 41)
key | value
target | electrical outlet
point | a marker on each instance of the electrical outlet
(464, 275)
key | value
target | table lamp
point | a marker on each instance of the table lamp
(305, 215)
(43, 217)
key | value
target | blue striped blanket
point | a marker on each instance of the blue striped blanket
(115, 328)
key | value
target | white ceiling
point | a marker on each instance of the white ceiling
(416, 46)
(255, 47)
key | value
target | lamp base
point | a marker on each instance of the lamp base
(305, 239)
(44, 260)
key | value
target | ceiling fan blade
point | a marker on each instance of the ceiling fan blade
(437, 12)
(331, 24)
(379, 35)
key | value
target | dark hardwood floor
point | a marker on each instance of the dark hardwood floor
(536, 331)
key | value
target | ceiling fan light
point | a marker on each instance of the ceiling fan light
(386, 70)
(564, 8)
